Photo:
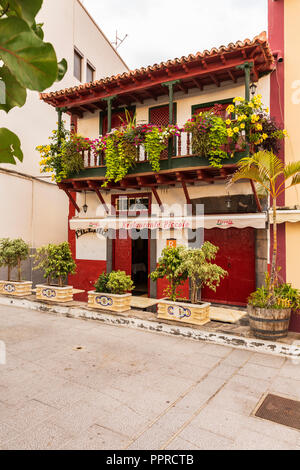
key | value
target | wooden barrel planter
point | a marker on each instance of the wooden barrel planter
(269, 323)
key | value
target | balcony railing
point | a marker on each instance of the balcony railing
(181, 147)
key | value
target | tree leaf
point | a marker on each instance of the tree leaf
(62, 69)
(32, 61)
(26, 9)
(38, 29)
(10, 147)
(15, 94)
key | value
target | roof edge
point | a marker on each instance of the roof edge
(100, 30)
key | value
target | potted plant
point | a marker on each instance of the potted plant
(201, 271)
(269, 306)
(12, 253)
(56, 262)
(112, 292)
(177, 265)
(272, 322)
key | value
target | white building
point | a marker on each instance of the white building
(31, 207)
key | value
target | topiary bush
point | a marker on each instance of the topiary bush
(12, 253)
(171, 266)
(56, 261)
(119, 283)
(101, 284)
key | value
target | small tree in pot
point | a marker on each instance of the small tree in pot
(201, 271)
(12, 253)
(177, 265)
(112, 292)
(171, 266)
(56, 262)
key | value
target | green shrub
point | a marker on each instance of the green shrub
(12, 253)
(101, 284)
(119, 282)
(283, 296)
(56, 261)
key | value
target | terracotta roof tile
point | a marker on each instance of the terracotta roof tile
(261, 39)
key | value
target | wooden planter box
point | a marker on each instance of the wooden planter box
(269, 323)
(111, 302)
(54, 293)
(196, 314)
(16, 288)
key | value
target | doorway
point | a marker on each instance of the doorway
(140, 264)
(131, 248)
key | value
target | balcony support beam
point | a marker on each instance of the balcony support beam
(92, 185)
(155, 193)
(258, 204)
(72, 200)
(186, 193)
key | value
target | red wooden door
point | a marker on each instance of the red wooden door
(237, 255)
(117, 119)
(123, 252)
(160, 117)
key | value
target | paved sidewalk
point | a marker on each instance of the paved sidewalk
(75, 384)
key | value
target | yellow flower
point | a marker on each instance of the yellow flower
(254, 118)
(239, 99)
(242, 126)
(229, 132)
(265, 136)
(53, 177)
(285, 132)
(230, 108)
(251, 105)
(267, 110)
(228, 122)
(258, 127)
(236, 130)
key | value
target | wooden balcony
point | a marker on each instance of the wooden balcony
(178, 162)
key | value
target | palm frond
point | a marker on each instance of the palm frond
(269, 164)
(243, 172)
(292, 170)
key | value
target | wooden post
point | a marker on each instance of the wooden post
(246, 66)
(109, 100)
(170, 86)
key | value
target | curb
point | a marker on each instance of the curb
(291, 351)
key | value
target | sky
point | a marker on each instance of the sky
(159, 30)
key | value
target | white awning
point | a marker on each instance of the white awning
(166, 223)
(257, 220)
(283, 216)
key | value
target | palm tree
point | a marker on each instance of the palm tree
(273, 178)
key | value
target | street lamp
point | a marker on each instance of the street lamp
(85, 206)
(253, 88)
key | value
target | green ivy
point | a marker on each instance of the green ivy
(154, 145)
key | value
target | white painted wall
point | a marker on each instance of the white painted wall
(66, 24)
(34, 213)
